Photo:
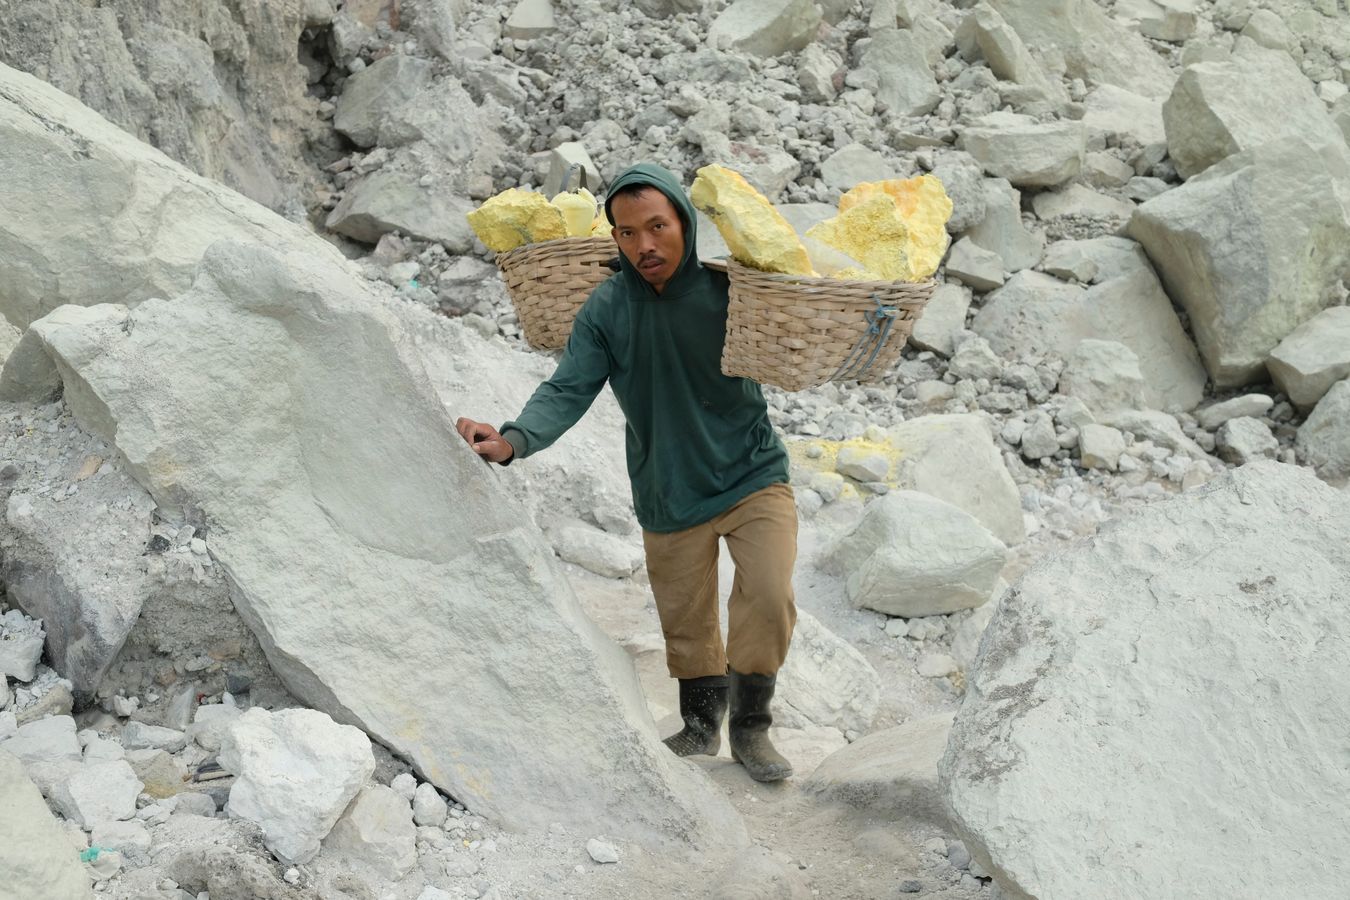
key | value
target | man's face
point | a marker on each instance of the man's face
(649, 233)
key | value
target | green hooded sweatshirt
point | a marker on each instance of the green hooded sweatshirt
(697, 441)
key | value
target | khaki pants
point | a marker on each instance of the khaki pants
(761, 533)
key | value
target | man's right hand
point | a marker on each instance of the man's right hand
(485, 440)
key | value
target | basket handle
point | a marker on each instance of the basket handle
(578, 171)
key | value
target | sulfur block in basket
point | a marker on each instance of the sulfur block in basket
(514, 218)
(756, 234)
(896, 228)
(578, 210)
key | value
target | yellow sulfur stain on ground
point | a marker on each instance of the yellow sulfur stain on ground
(756, 234)
(514, 218)
(895, 228)
(804, 453)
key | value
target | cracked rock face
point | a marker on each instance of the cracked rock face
(1209, 624)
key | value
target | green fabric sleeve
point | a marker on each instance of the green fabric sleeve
(561, 401)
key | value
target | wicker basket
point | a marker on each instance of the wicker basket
(798, 332)
(549, 281)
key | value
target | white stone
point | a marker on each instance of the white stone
(1267, 29)
(855, 163)
(1106, 376)
(943, 316)
(529, 20)
(1159, 427)
(1071, 261)
(975, 359)
(829, 485)
(765, 27)
(36, 856)
(1221, 604)
(210, 722)
(1324, 438)
(906, 82)
(138, 233)
(815, 73)
(1034, 313)
(984, 32)
(391, 538)
(1026, 152)
(9, 725)
(1001, 229)
(915, 555)
(975, 266)
(190, 803)
(429, 807)
(862, 464)
(45, 740)
(370, 97)
(377, 829)
(1245, 297)
(296, 770)
(1244, 439)
(19, 655)
(825, 681)
(405, 785)
(601, 851)
(1100, 447)
(1255, 405)
(1102, 170)
(391, 200)
(99, 792)
(1078, 201)
(954, 458)
(1218, 109)
(1164, 20)
(124, 837)
(140, 736)
(1040, 439)
(596, 551)
(895, 768)
(1313, 357)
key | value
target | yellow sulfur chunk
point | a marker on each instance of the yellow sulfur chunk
(578, 211)
(756, 234)
(600, 227)
(514, 218)
(921, 204)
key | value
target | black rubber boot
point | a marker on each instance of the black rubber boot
(749, 729)
(703, 704)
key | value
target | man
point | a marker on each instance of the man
(703, 461)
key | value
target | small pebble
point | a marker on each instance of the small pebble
(602, 852)
(292, 876)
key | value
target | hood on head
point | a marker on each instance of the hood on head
(663, 180)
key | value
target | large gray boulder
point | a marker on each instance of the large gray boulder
(825, 681)
(895, 769)
(215, 86)
(371, 97)
(1026, 152)
(393, 200)
(1247, 288)
(1034, 313)
(914, 555)
(1141, 699)
(38, 858)
(1118, 116)
(91, 215)
(954, 458)
(1002, 230)
(1218, 109)
(765, 27)
(1090, 44)
(1324, 439)
(906, 82)
(1313, 357)
(278, 402)
(983, 33)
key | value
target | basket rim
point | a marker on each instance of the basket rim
(556, 243)
(731, 266)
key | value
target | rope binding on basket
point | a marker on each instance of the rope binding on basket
(879, 323)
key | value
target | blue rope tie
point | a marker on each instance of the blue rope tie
(879, 324)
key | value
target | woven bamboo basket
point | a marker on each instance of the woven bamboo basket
(797, 332)
(549, 281)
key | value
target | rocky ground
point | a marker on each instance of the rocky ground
(219, 672)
